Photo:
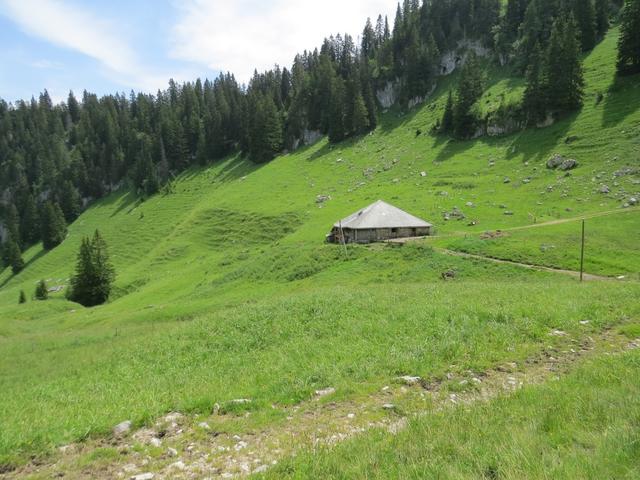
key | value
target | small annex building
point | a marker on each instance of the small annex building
(378, 222)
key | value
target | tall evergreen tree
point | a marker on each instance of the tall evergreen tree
(629, 41)
(70, 201)
(266, 136)
(13, 256)
(469, 91)
(602, 9)
(534, 102)
(563, 73)
(22, 298)
(92, 281)
(337, 127)
(446, 125)
(54, 228)
(585, 17)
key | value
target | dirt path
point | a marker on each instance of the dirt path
(221, 446)
(573, 273)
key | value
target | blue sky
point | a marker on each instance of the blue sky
(108, 46)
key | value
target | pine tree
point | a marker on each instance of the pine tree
(13, 256)
(42, 292)
(447, 118)
(360, 119)
(54, 228)
(266, 137)
(585, 17)
(22, 298)
(29, 222)
(629, 41)
(70, 201)
(74, 108)
(534, 102)
(602, 17)
(470, 89)
(92, 282)
(337, 111)
(563, 72)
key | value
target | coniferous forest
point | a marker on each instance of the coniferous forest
(55, 159)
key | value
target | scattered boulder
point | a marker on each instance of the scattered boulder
(423, 174)
(633, 201)
(455, 214)
(604, 189)
(172, 452)
(448, 275)
(506, 180)
(571, 139)
(320, 199)
(325, 392)
(561, 163)
(143, 476)
(409, 380)
(122, 428)
(388, 406)
(568, 164)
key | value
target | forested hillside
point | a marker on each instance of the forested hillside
(55, 159)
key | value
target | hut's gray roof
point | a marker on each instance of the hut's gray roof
(381, 215)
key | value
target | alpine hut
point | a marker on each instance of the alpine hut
(376, 223)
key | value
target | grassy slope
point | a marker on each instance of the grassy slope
(584, 426)
(230, 271)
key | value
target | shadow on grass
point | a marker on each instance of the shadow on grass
(621, 100)
(31, 261)
(124, 202)
(535, 144)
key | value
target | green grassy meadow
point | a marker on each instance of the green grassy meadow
(226, 289)
(583, 426)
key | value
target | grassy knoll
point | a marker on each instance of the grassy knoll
(226, 289)
(583, 426)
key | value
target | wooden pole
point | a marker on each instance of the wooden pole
(582, 255)
(344, 243)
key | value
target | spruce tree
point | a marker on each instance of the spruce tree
(360, 118)
(70, 201)
(92, 281)
(629, 41)
(585, 17)
(29, 222)
(447, 118)
(42, 292)
(602, 17)
(54, 228)
(13, 256)
(534, 102)
(563, 69)
(470, 89)
(22, 298)
(337, 111)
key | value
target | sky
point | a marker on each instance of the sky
(110, 46)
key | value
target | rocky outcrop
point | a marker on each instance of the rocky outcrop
(388, 96)
(309, 137)
(450, 61)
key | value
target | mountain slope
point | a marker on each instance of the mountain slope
(227, 290)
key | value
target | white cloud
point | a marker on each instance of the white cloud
(241, 35)
(70, 27)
